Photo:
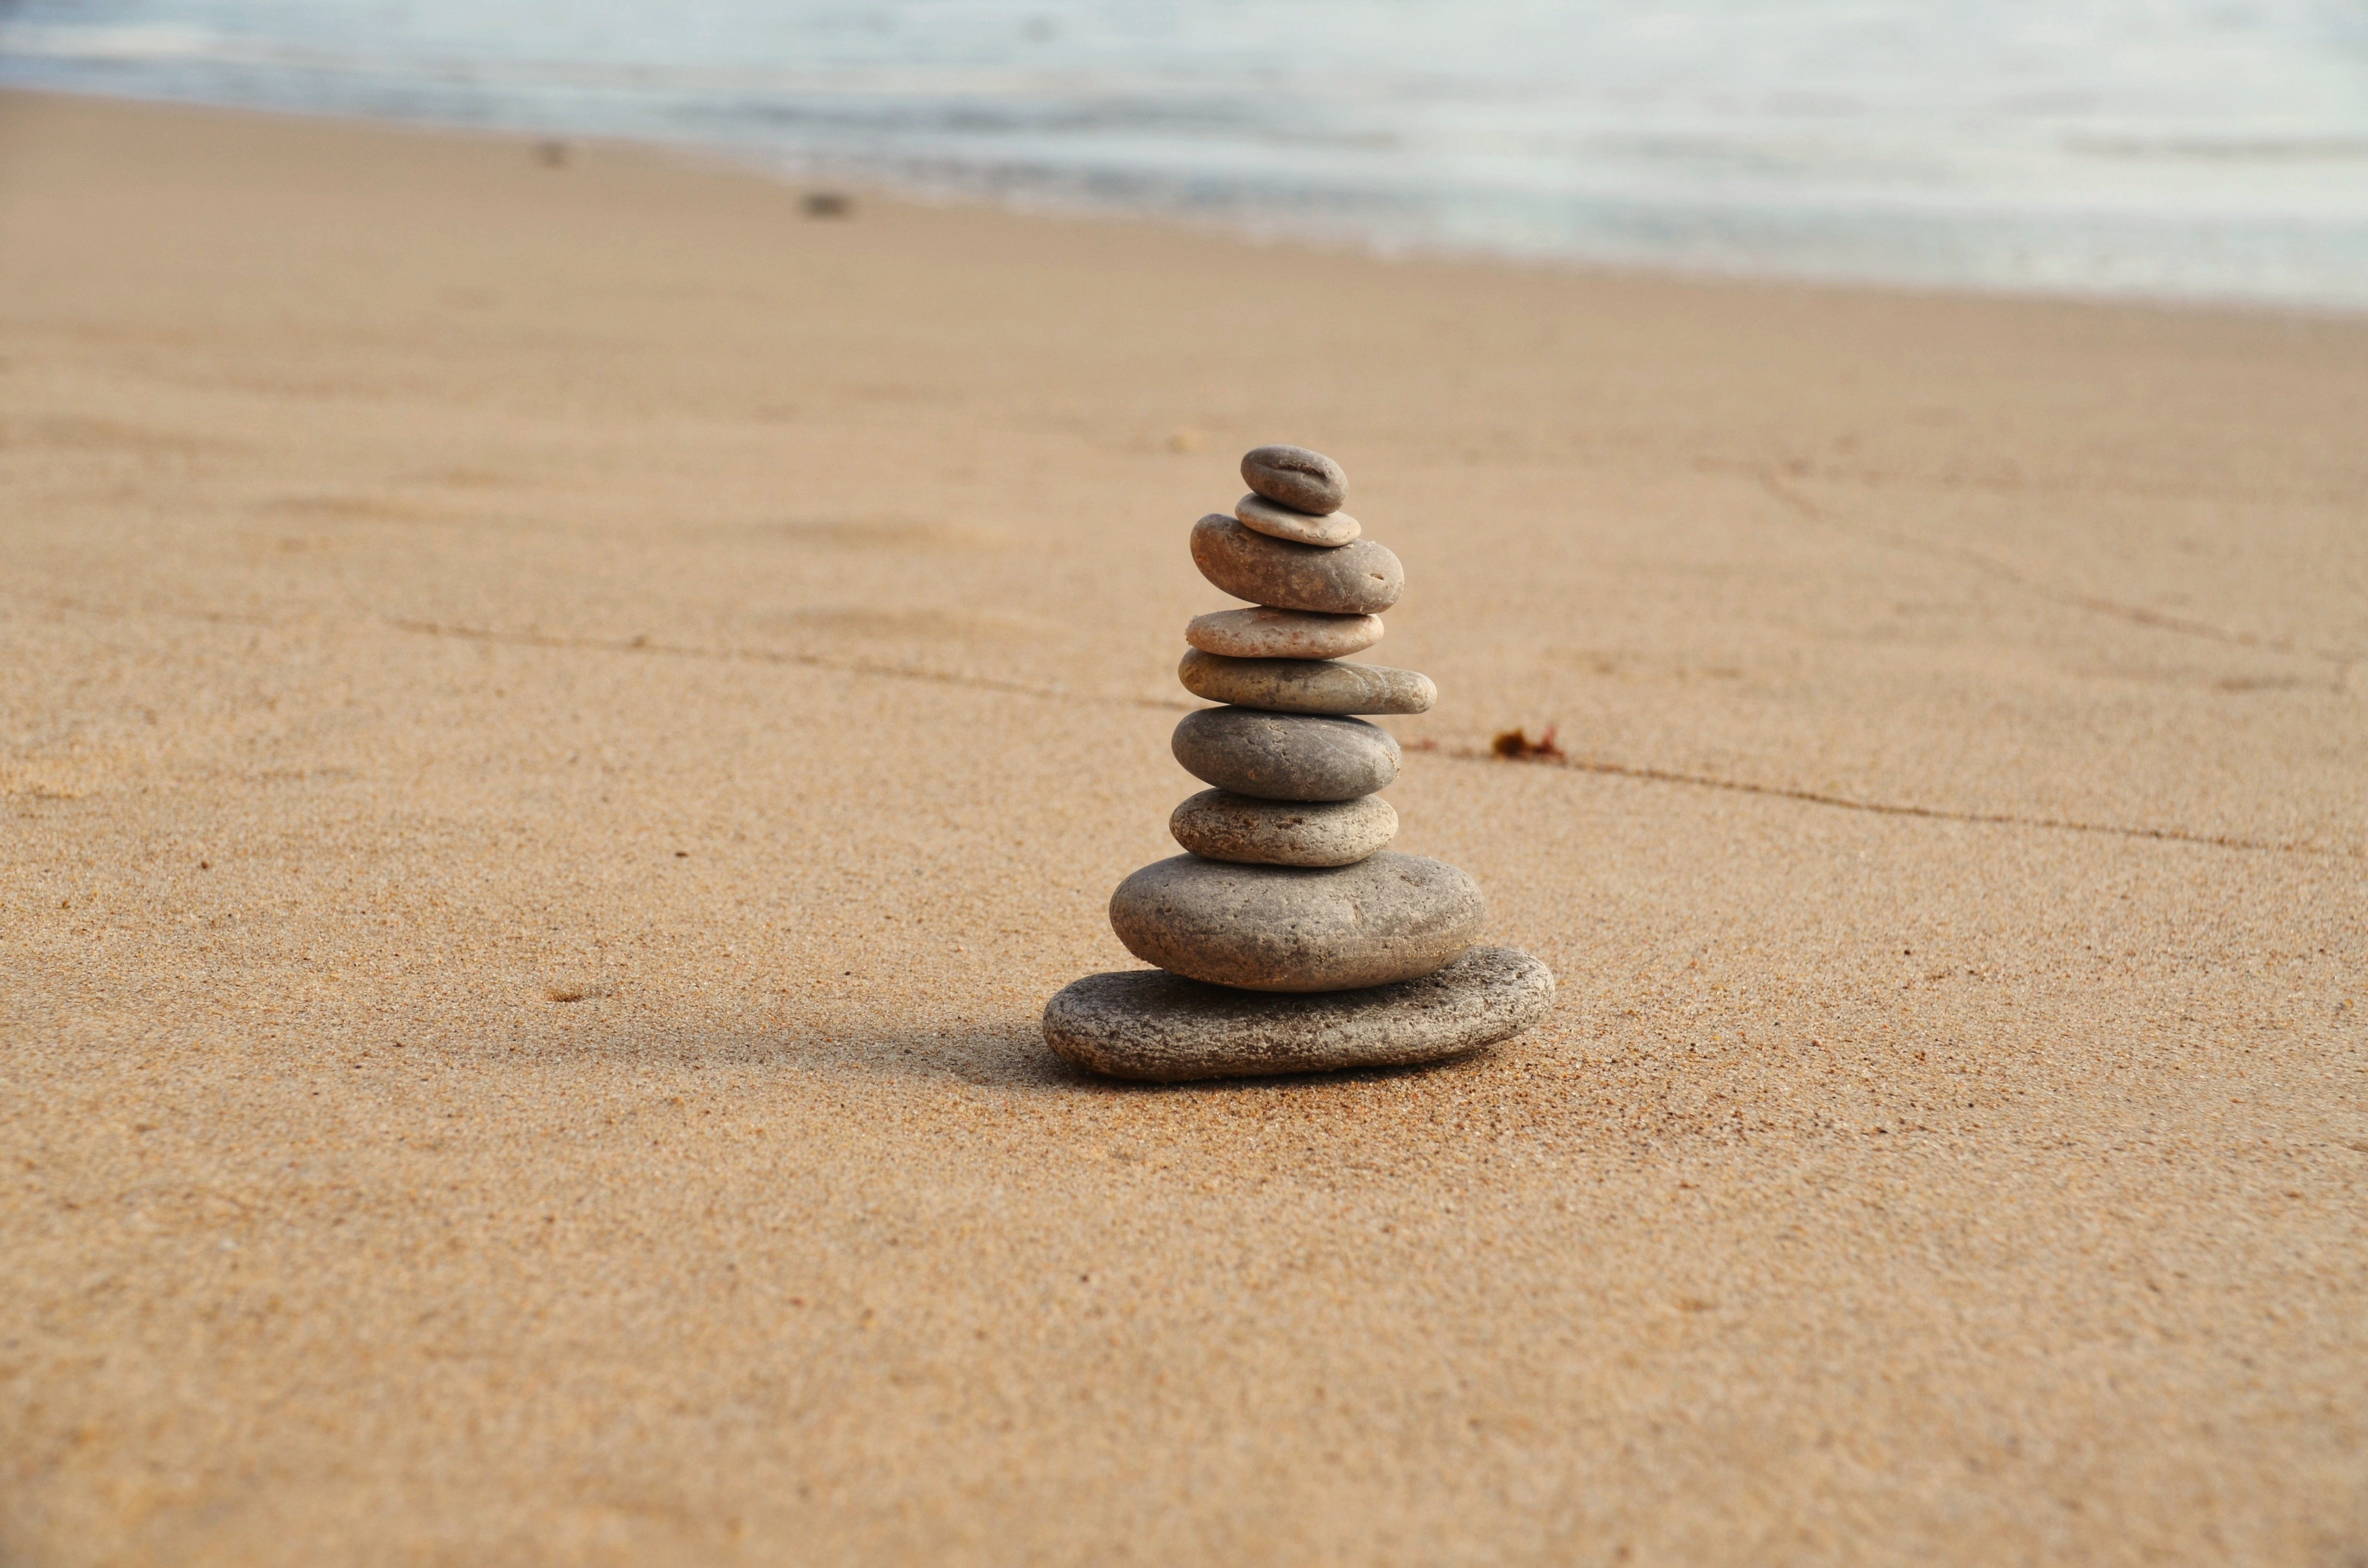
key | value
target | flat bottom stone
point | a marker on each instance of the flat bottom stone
(1160, 1027)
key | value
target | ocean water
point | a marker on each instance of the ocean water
(2177, 148)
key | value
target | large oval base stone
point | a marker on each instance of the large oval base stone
(1159, 1028)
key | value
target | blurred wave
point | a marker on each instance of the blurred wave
(2183, 148)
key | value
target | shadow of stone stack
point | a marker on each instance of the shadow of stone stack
(1289, 939)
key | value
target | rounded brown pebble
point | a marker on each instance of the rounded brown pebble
(1305, 686)
(1286, 757)
(1331, 531)
(1387, 917)
(1301, 480)
(1262, 633)
(1221, 825)
(1359, 578)
(1156, 1028)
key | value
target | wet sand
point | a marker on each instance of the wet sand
(561, 721)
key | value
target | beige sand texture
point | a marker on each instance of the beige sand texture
(561, 723)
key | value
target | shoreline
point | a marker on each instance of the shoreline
(564, 724)
(975, 190)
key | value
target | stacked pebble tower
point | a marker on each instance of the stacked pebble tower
(1289, 939)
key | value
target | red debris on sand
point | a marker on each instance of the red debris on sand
(1515, 745)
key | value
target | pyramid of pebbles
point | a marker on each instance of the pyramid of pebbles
(1290, 938)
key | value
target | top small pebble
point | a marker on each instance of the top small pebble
(1301, 480)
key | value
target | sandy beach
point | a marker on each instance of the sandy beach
(562, 719)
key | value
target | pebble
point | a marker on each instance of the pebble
(1286, 757)
(1359, 578)
(1301, 480)
(1387, 917)
(1305, 686)
(1263, 633)
(1225, 826)
(1155, 1027)
(1331, 531)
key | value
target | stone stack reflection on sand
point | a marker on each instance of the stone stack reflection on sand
(1289, 939)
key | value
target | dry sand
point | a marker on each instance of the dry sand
(439, 585)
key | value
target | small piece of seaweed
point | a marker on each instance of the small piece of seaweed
(1515, 745)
